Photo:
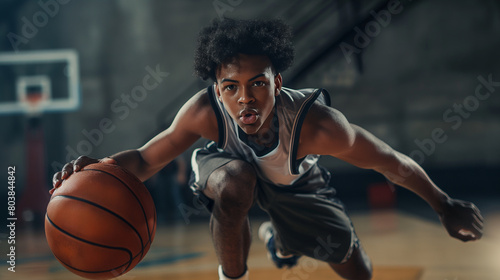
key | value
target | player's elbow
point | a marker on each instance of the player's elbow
(397, 167)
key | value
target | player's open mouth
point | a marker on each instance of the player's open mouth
(249, 116)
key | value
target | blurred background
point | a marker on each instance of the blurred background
(424, 76)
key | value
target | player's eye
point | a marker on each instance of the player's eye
(259, 84)
(230, 87)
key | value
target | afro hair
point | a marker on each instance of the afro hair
(224, 39)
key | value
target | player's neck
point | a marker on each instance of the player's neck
(267, 135)
(266, 139)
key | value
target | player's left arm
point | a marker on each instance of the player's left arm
(335, 136)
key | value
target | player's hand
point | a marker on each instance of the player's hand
(462, 220)
(75, 166)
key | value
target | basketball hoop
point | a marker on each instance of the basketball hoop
(33, 92)
(53, 74)
(34, 101)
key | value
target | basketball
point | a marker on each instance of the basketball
(100, 222)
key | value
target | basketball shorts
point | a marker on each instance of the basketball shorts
(307, 218)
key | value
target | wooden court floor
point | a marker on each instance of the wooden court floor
(402, 247)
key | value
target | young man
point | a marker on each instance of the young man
(266, 140)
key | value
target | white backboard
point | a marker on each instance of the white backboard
(55, 73)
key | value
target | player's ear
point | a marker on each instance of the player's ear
(217, 91)
(278, 82)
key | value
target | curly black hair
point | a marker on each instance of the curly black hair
(224, 39)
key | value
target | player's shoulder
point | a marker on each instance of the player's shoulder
(321, 114)
(200, 99)
(199, 105)
(324, 126)
(199, 115)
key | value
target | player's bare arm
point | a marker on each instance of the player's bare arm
(335, 136)
(194, 120)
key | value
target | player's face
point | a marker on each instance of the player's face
(247, 86)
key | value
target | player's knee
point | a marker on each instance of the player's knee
(235, 186)
(364, 274)
(358, 267)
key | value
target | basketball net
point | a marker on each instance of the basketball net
(33, 102)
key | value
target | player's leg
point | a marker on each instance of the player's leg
(266, 234)
(357, 267)
(232, 188)
(309, 220)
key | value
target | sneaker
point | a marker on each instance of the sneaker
(266, 234)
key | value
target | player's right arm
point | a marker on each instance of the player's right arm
(194, 120)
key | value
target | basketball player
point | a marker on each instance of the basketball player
(265, 144)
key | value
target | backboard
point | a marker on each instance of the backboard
(34, 82)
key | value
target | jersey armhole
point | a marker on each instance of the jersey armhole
(326, 96)
(218, 114)
(299, 120)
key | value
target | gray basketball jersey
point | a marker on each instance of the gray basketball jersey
(278, 164)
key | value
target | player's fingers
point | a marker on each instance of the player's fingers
(480, 217)
(78, 163)
(81, 162)
(478, 231)
(67, 170)
(464, 235)
(478, 220)
(108, 160)
(474, 209)
(477, 212)
(56, 180)
(473, 233)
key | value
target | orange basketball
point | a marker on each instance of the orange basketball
(100, 222)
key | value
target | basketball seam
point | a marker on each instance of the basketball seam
(138, 200)
(107, 210)
(131, 258)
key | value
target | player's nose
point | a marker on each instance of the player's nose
(245, 96)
